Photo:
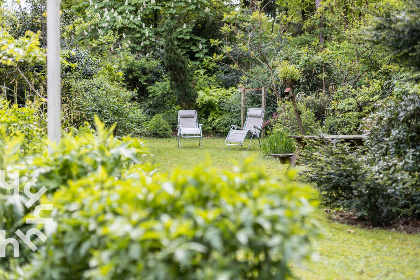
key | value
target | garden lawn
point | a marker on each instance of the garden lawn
(344, 252)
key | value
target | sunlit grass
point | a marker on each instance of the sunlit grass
(344, 252)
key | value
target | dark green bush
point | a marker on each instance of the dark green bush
(394, 155)
(158, 127)
(79, 63)
(339, 173)
(380, 182)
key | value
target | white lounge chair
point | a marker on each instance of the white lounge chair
(188, 126)
(253, 125)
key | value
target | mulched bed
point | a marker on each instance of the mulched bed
(342, 217)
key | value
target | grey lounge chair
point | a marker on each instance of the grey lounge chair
(253, 125)
(188, 126)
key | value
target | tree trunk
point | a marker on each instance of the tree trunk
(295, 108)
(321, 23)
(253, 5)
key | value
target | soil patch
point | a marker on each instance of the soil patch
(405, 226)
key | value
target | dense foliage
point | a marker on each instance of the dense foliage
(381, 181)
(114, 217)
(329, 67)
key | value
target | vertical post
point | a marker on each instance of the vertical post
(53, 70)
(242, 91)
(263, 98)
(263, 106)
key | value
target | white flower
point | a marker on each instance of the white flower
(96, 6)
(144, 4)
(153, 1)
(200, 46)
(126, 2)
(84, 32)
(147, 33)
(124, 35)
(141, 44)
(144, 25)
(172, 4)
(185, 25)
(131, 18)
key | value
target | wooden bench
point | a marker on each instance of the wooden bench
(283, 158)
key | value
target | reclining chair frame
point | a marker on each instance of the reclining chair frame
(198, 133)
(253, 129)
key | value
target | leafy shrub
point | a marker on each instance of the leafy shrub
(109, 101)
(114, 218)
(339, 173)
(318, 104)
(71, 160)
(394, 155)
(381, 181)
(26, 120)
(219, 108)
(349, 107)
(286, 119)
(190, 225)
(277, 143)
(79, 63)
(158, 127)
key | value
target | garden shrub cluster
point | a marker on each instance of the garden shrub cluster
(219, 108)
(381, 181)
(158, 127)
(27, 121)
(109, 101)
(114, 217)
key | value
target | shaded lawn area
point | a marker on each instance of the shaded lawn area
(344, 251)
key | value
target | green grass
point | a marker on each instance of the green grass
(339, 254)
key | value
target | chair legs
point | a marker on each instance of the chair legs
(250, 142)
(200, 141)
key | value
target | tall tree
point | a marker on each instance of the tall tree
(179, 72)
(398, 29)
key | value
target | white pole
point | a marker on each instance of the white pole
(53, 70)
